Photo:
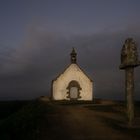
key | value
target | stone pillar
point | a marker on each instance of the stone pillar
(129, 60)
(129, 81)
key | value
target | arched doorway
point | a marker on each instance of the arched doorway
(73, 90)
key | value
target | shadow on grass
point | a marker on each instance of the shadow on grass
(121, 126)
(119, 120)
(26, 123)
(9, 107)
(108, 108)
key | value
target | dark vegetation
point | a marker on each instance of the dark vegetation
(9, 107)
(21, 120)
(38, 120)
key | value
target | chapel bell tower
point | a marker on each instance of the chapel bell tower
(73, 56)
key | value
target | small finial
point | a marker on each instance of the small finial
(73, 56)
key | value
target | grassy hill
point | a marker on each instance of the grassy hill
(38, 120)
(22, 120)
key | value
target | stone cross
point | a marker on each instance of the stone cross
(129, 60)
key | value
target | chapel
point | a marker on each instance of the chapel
(73, 83)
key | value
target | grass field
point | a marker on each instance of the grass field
(38, 120)
(22, 119)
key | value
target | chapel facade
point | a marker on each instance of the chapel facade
(73, 83)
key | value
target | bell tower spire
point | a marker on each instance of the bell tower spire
(73, 56)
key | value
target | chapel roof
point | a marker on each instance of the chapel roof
(73, 61)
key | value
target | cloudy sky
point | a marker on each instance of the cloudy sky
(36, 38)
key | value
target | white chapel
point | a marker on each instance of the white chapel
(73, 83)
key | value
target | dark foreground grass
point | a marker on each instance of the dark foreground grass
(9, 107)
(38, 120)
(25, 124)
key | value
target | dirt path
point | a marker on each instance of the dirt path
(83, 122)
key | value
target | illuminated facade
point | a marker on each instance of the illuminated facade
(73, 83)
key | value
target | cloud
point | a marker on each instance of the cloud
(44, 54)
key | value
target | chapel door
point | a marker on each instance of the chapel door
(73, 93)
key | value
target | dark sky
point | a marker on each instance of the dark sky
(36, 38)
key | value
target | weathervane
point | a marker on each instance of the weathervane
(129, 60)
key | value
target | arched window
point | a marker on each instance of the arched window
(73, 90)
